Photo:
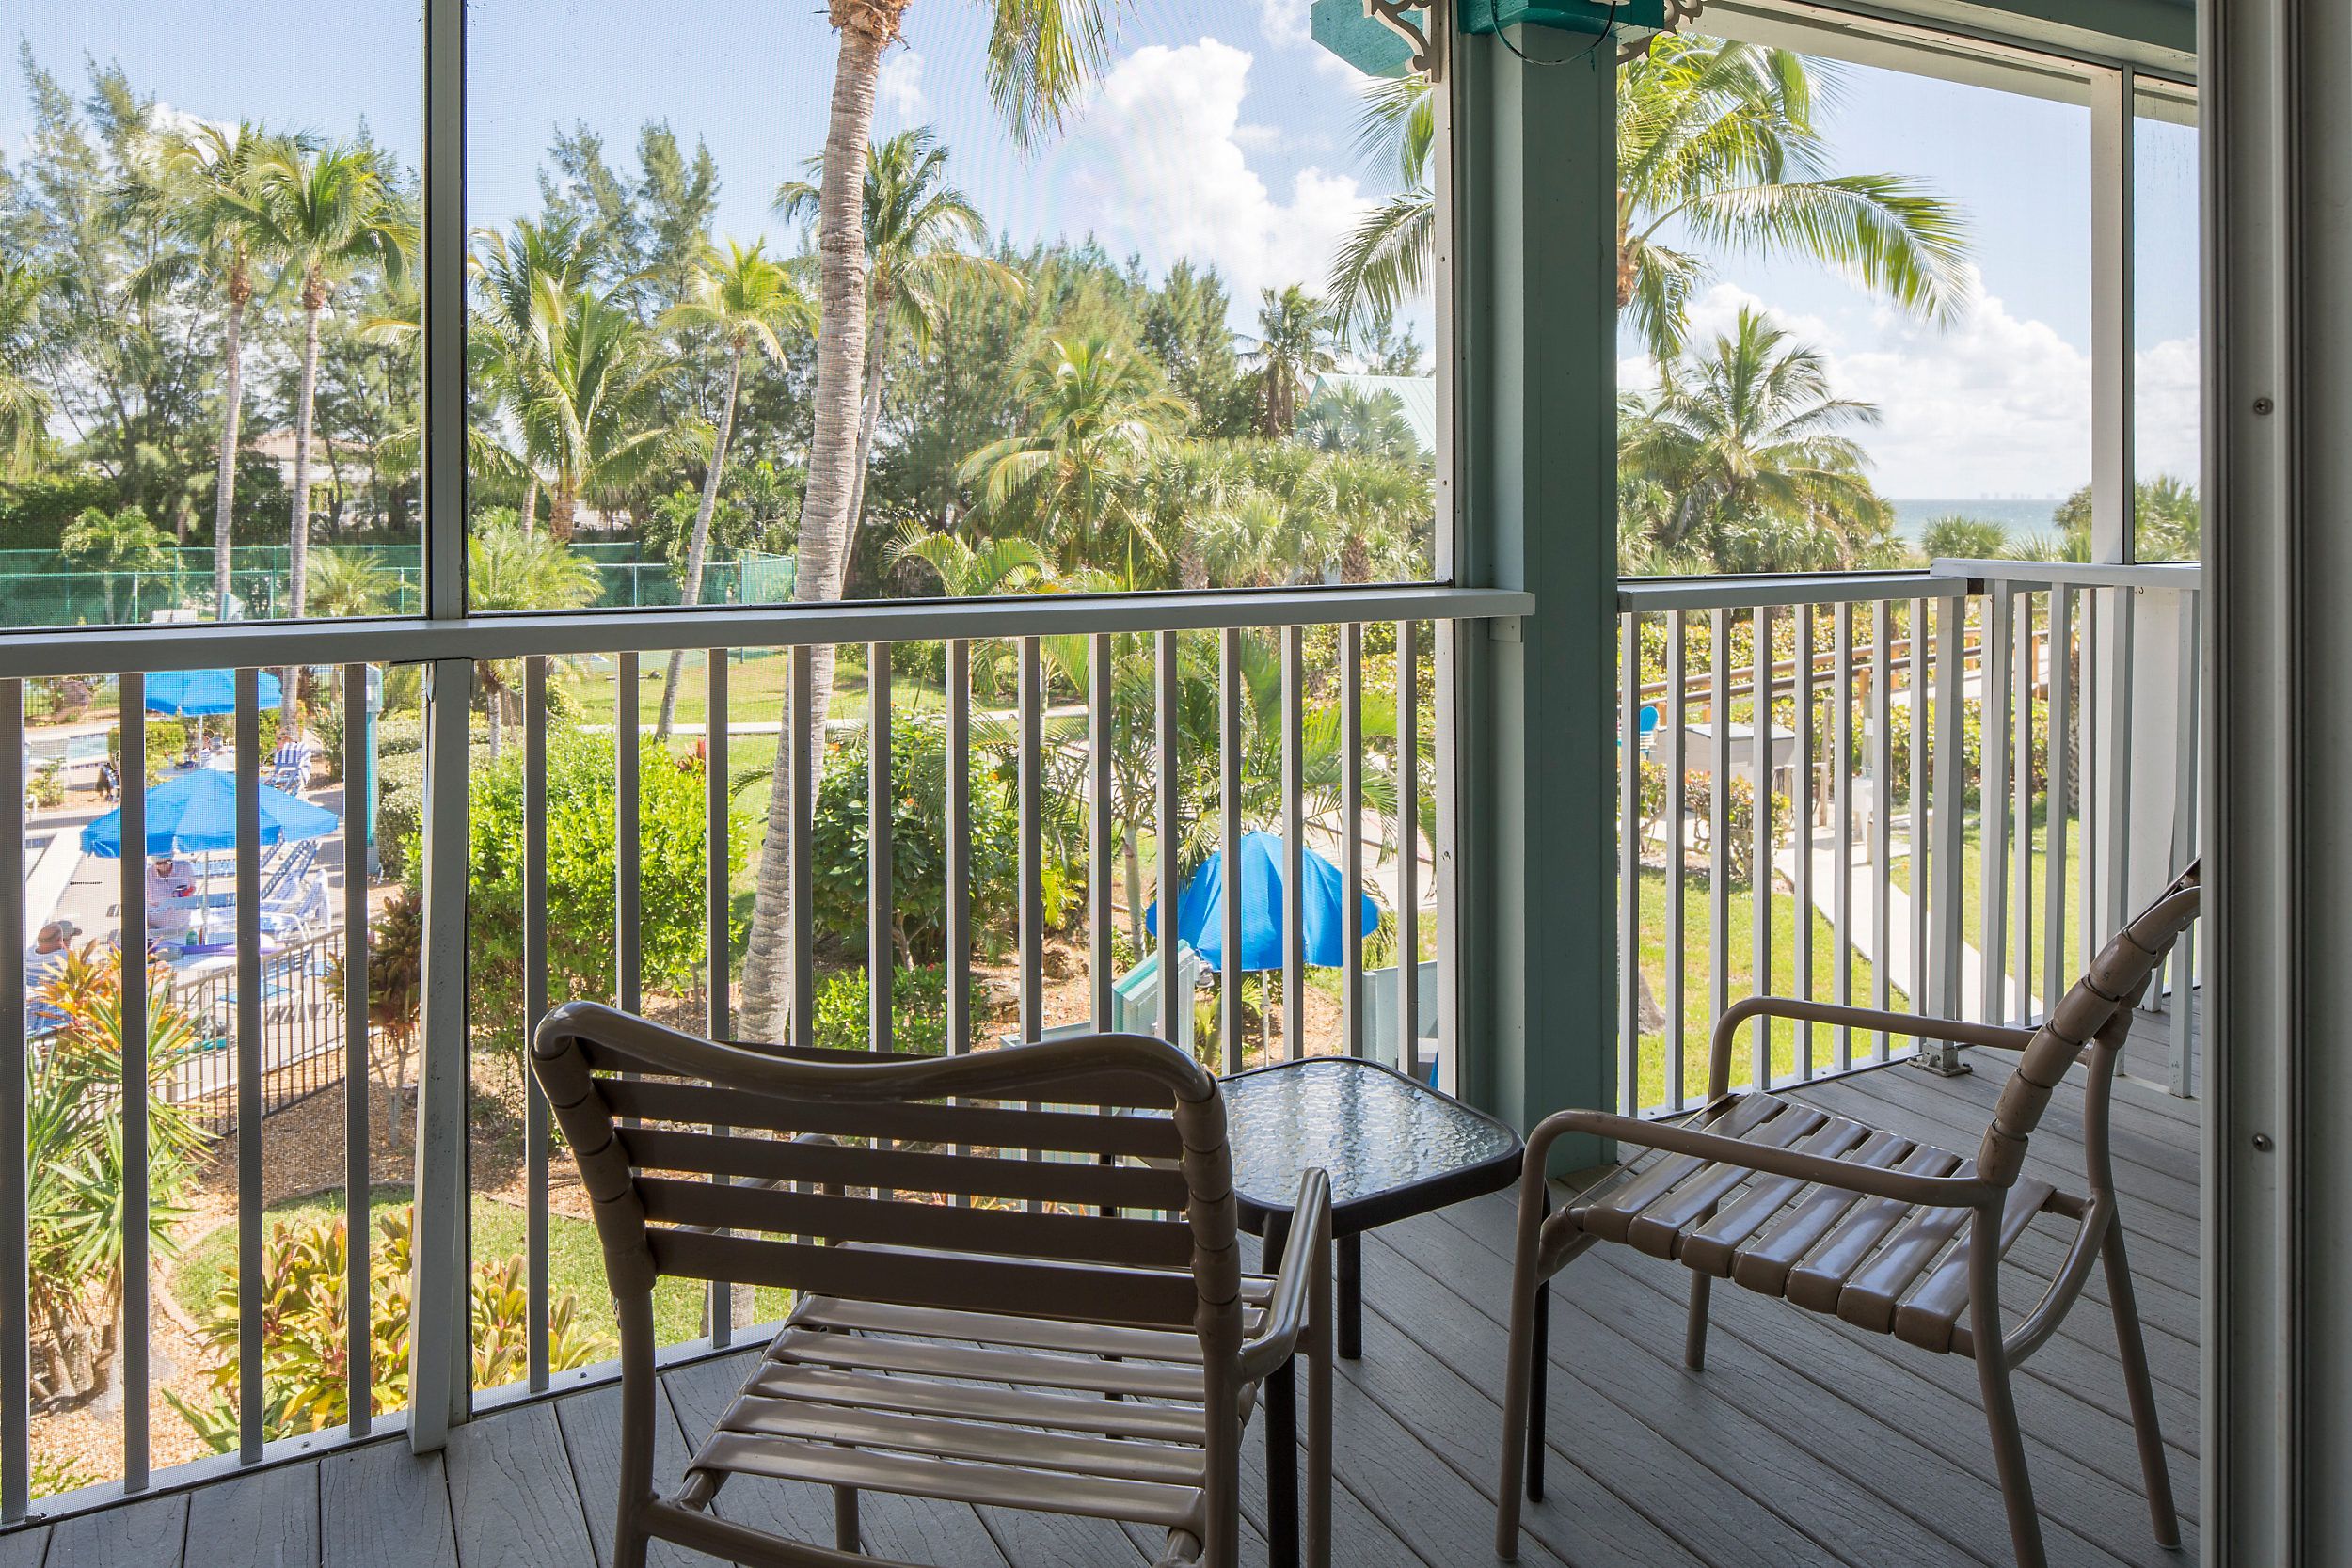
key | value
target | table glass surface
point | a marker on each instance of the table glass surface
(1372, 1131)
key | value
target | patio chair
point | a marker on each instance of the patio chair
(1031, 1334)
(289, 766)
(1865, 1225)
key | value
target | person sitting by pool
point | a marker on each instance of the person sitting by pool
(109, 781)
(43, 961)
(170, 897)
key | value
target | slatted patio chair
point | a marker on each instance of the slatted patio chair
(1866, 1225)
(1072, 1334)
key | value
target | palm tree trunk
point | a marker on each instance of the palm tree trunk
(562, 506)
(1135, 884)
(701, 539)
(298, 534)
(531, 503)
(869, 414)
(231, 412)
(768, 981)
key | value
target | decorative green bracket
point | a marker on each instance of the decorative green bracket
(1379, 37)
(1632, 20)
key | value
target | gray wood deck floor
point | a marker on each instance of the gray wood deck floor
(1803, 1441)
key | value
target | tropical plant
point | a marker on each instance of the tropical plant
(1343, 419)
(350, 584)
(1010, 564)
(305, 1339)
(395, 952)
(509, 569)
(24, 407)
(520, 279)
(1096, 410)
(1717, 139)
(918, 1011)
(206, 178)
(1965, 538)
(922, 236)
(2167, 522)
(115, 542)
(591, 402)
(1294, 346)
(1040, 58)
(1750, 445)
(750, 302)
(77, 1181)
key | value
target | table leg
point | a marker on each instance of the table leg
(1351, 1268)
(1281, 1430)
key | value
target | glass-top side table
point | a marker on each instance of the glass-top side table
(1393, 1148)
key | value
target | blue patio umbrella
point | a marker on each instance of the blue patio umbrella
(196, 813)
(184, 693)
(1322, 903)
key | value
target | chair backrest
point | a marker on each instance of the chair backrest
(926, 1166)
(2101, 1001)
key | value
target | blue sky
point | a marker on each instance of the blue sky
(1222, 132)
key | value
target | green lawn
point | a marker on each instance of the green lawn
(2035, 899)
(1698, 1009)
(574, 1262)
(757, 689)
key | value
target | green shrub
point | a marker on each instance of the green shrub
(918, 844)
(45, 788)
(581, 872)
(918, 1011)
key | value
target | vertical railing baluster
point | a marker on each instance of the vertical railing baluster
(1031, 922)
(1164, 891)
(2059, 791)
(2115, 840)
(1229, 838)
(2021, 791)
(131, 953)
(438, 1362)
(959, 894)
(359, 1214)
(1802, 897)
(1841, 869)
(1719, 815)
(1948, 823)
(1915, 667)
(16, 1368)
(1352, 839)
(1628, 861)
(1409, 846)
(250, 1407)
(1882, 814)
(2184, 804)
(1677, 852)
(2094, 770)
(1294, 848)
(1993, 801)
(807, 756)
(539, 1292)
(718, 1017)
(880, 959)
(1761, 862)
(627, 840)
(1101, 968)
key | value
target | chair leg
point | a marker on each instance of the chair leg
(628, 1543)
(1320, 1376)
(1539, 1394)
(1694, 1331)
(1518, 1379)
(1281, 1465)
(845, 1530)
(2008, 1453)
(2133, 1351)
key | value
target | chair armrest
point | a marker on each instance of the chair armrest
(1309, 1251)
(1917, 1025)
(1937, 1192)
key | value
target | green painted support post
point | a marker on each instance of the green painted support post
(1535, 365)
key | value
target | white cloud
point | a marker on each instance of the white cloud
(900, 85)
(2166, 439)
(1284, 22)
(1161, 169)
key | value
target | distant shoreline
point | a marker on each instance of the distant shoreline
(2022, 517)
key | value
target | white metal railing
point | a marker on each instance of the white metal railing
(1889, 716)
(1057, 753)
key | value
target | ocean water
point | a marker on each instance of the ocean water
(2022, 517)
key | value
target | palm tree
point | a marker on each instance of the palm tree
(24, 405)
(1294, 348)
(749, 300)
(207, 182)
(920, 234)
(1716, 136)
(350, 584)
(512, 272)
(1747, 442)
(588, 400)
(1349, 420)
(1097, 409)
(1007, 565)
(1041, 56)
(510, 568)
